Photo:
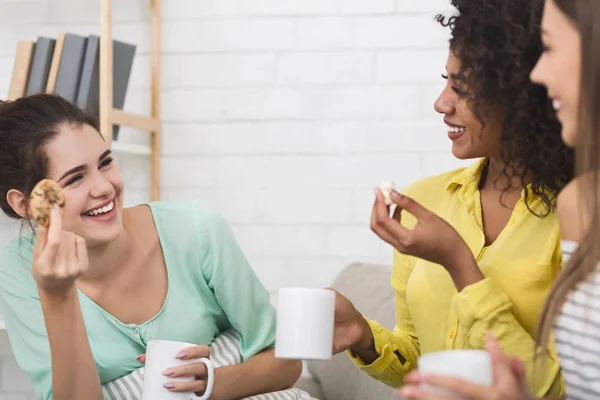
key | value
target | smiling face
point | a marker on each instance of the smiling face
(559, 68)
(464, 129)
(82, 164)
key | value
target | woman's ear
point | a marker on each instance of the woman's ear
(18, 202)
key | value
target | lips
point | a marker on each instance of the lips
(455, 131)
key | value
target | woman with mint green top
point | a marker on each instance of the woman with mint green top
(82, 298)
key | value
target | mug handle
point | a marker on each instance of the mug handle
(210, 381)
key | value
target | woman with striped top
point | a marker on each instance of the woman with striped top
(572, 313)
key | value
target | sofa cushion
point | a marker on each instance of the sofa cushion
(369, 288)
(311, 386)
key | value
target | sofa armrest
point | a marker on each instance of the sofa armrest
(310, 385)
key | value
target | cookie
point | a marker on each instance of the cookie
(386, 189)
(44, 196)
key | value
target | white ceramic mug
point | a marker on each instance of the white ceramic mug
(470, 365)
(160, 355)
(305, 320)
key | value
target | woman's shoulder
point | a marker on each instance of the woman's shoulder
(188, 210)
(15, 263)
(18, 250)
(193, 217)
(571, 215)
(432, 187)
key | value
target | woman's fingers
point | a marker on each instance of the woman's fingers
(408, 204)
(378, 216)
(503, 373)
(50, 248)
(81, 254)
(414, 392)
(40, 241)
(194, 352)
(198, 386)
(413, 378)
(462, 388)
(388, 228)
(72, 264)
(198, 370)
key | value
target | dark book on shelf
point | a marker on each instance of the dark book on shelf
(40, 65)
(69, 70)
(88, 96)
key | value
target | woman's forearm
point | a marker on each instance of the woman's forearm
(262, 373)
(74, 373)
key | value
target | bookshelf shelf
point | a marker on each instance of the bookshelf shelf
(148, 124)
(109, 115)
(131, 148)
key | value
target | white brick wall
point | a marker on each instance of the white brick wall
(281, 114)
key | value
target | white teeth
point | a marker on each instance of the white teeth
(455, 129)
(102, 210)
(557, 104)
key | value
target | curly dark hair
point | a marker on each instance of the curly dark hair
(498, 43)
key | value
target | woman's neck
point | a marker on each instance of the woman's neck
(496, 175)
(107, 259)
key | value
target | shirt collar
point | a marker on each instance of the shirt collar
(469, 175)
(469, 178)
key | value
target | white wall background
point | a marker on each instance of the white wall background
(282, 114)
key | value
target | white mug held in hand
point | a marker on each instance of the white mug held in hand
(160, 355)
(474, 366)
(305, 320)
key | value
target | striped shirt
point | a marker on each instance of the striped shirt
(577, 335)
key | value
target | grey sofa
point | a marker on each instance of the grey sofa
(368, 287)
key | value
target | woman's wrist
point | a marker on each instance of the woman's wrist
(463, 269)
(57, 296)
(366, 341)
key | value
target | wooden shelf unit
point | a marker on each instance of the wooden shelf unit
(109, 115)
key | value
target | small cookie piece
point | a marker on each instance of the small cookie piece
(386, 189)
(44, 196)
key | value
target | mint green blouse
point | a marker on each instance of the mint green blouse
(212, 288)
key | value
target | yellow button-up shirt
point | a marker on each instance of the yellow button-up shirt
(519, 268)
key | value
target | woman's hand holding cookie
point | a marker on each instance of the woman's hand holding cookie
(59, 257)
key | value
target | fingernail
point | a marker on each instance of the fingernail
(168, 372)
(169, 386)
(56, 209)
(375, 191)
(396, 193)
(181, 355)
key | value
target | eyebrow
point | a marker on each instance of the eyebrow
(83, 167)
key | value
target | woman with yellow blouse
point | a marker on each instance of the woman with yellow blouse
(477, 249)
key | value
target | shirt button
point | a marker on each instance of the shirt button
(135, 331)
(451, 335)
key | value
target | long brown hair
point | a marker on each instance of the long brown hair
(585, 16)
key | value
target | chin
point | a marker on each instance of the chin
(569, 136)
(106, 236)
(462, 153)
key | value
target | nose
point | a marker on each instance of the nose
(536, 72)
(445, 103)
(101, 187)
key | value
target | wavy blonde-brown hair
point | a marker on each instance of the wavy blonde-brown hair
(585, 16)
